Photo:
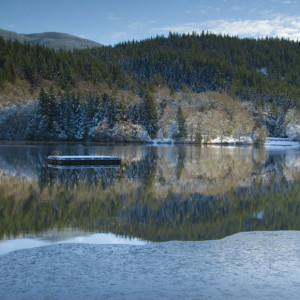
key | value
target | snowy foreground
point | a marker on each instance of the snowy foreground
(257, 265)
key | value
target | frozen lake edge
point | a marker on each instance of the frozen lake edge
(263, 265)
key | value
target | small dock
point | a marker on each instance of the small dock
(83, 160)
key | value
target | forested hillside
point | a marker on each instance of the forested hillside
(147, 83)
(55, 40)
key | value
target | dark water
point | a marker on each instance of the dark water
(159, 193)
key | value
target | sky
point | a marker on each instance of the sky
(109, 22)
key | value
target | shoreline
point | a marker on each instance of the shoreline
(269, 142)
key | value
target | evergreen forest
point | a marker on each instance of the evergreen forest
(262, 72)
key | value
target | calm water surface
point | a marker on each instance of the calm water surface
(172, 222)
(159, 193)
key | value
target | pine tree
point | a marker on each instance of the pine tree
(48, 111)
(198, 137)
(149, 116)
(181, 124)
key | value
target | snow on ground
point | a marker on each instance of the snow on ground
(245, 140)
(231, 140)
(253, 265)
(161, 139)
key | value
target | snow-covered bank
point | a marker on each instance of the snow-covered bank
(247, 140)
(208, 118)
(254, 265)
(269, 142)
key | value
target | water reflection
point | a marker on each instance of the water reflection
(7, 246)
(158, 193)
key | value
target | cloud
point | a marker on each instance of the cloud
(135, 25)
(280, 26)
(112, 17)
(140, 25)
(200, 9)
(117, 35)
(237, 8)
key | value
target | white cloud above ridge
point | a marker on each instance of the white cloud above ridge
(117, 35)
(279, 26)
(112, 17)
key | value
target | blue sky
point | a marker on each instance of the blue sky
(112, 21)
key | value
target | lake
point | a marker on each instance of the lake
(170, 222)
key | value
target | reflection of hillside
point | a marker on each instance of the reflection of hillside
(205, 170)
(159, 193)
(291, 169)
(179, 169)
(141, 213)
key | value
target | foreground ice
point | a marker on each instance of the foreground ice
(263, 265)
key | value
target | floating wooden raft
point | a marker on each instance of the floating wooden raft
(71, 160)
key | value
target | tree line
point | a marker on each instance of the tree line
(75, 116)
(261, 71)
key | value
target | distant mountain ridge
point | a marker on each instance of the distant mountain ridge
(55, 40)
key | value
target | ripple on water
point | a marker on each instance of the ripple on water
(263, 265)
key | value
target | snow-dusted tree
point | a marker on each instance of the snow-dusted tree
(149, 115)
(222, 128)
(198, 135)
(181, 132)
(48, 114)
(94, 110)
(243, 124)
(111, 108)
(259, 134)
(65, 115)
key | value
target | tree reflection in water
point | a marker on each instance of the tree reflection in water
(158, 193)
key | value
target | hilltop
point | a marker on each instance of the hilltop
(53, 40)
